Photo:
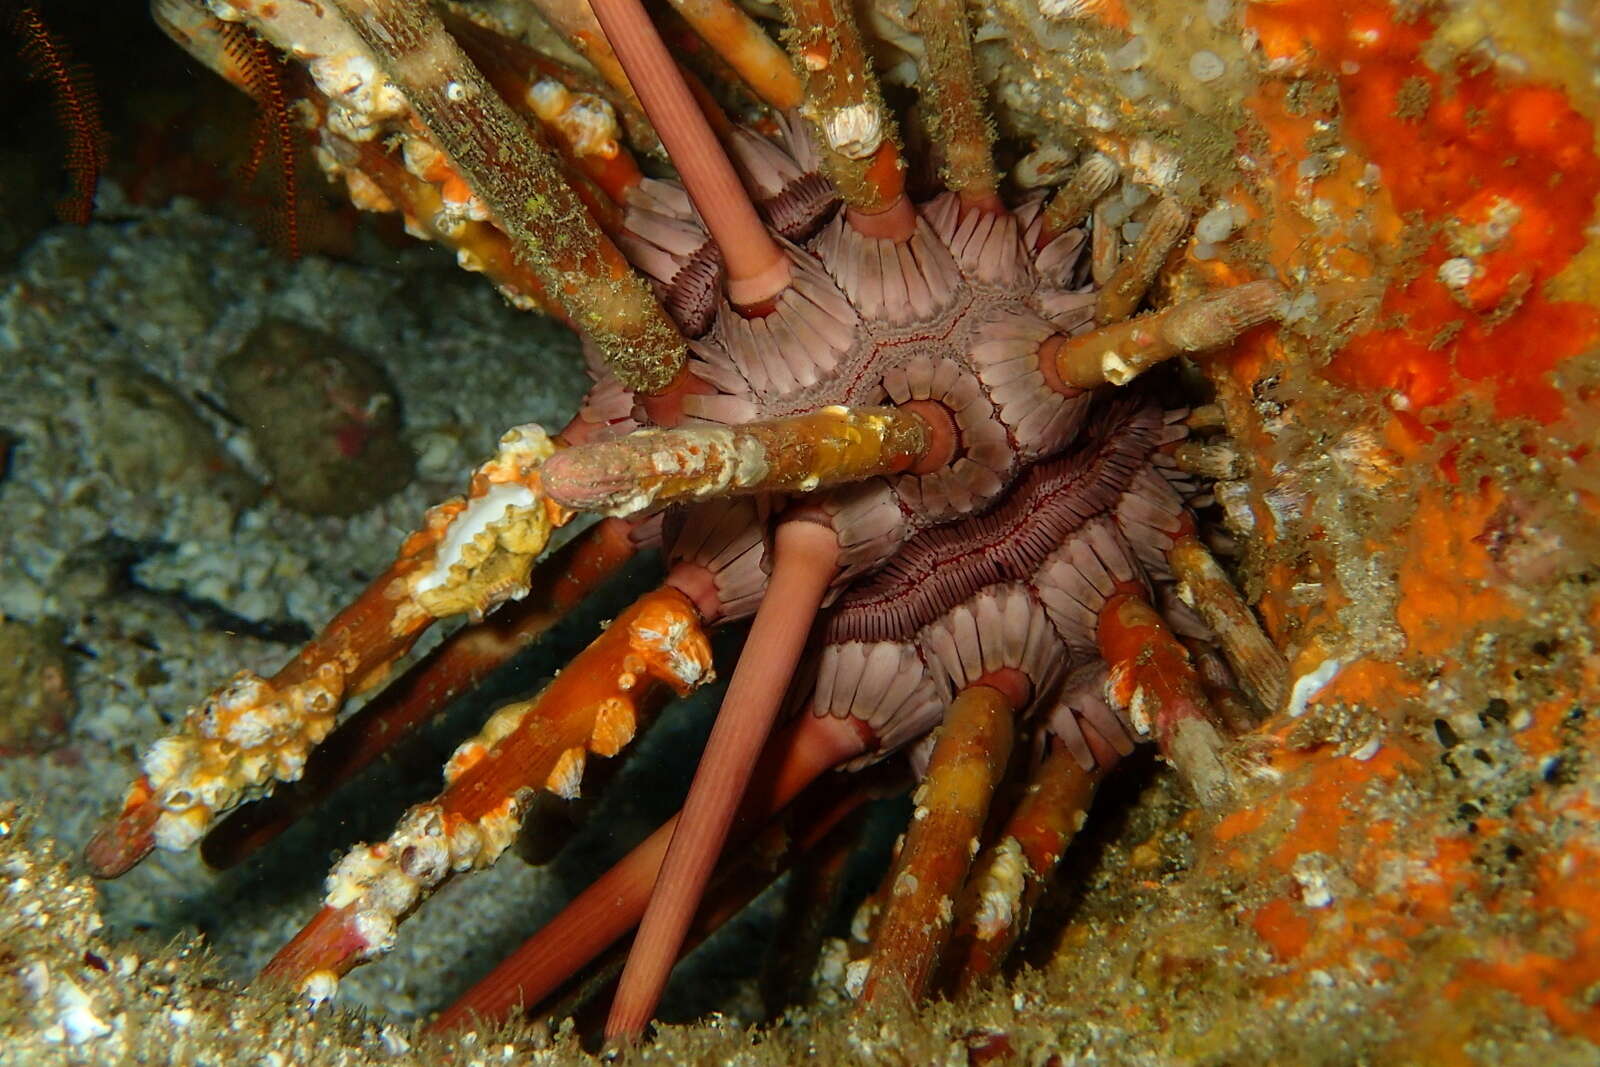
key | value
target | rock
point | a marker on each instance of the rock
(36, 699)
(153, 443)
(323, 417)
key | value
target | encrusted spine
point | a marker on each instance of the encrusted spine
(650, 467)
(850, 124)
(531, 201)
(970, 755)
(954, 103)
(595, 707)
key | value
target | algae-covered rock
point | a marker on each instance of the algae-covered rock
(323, 417)
(70, 995)
(152, 441)
(36, 699)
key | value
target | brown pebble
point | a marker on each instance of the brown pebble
(36, 698)
(151, 440)
(323, 417)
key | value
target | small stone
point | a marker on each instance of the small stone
(323, 417)
(36, 698)
(152, 441)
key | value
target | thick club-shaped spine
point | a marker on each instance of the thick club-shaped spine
(530, 201)
(853, 127)
(593, 708)
(1153, 678)
(969, 757)
(831, 446)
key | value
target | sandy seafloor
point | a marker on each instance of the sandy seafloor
(181, 577)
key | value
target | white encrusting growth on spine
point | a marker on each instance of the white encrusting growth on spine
(999, 889)
(587, 120)
(383, 882)
(1311, 683)
(362, 102)
(855, 132)
(487, 542)
(686, 661)
(483, 516)
(243, 736)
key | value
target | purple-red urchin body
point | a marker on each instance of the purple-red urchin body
(1003, 557)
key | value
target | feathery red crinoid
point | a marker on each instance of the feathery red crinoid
(76, 106)
(260, 69)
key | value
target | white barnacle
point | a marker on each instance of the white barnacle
(1000, 890)
(566, 778)
(375, 930)
(1139, 712)
(1368, 750)
(1206, 66)
(855, 132)
(1457, 273)
(684, 664)
(1132, 55)
(466, 846)
(1156, 166)
(749, 466)
(1311, 872)
(1216, 225)
(1115, 369)
(855, 976)
(319, 987)
(1044, 166)
(586, 119)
